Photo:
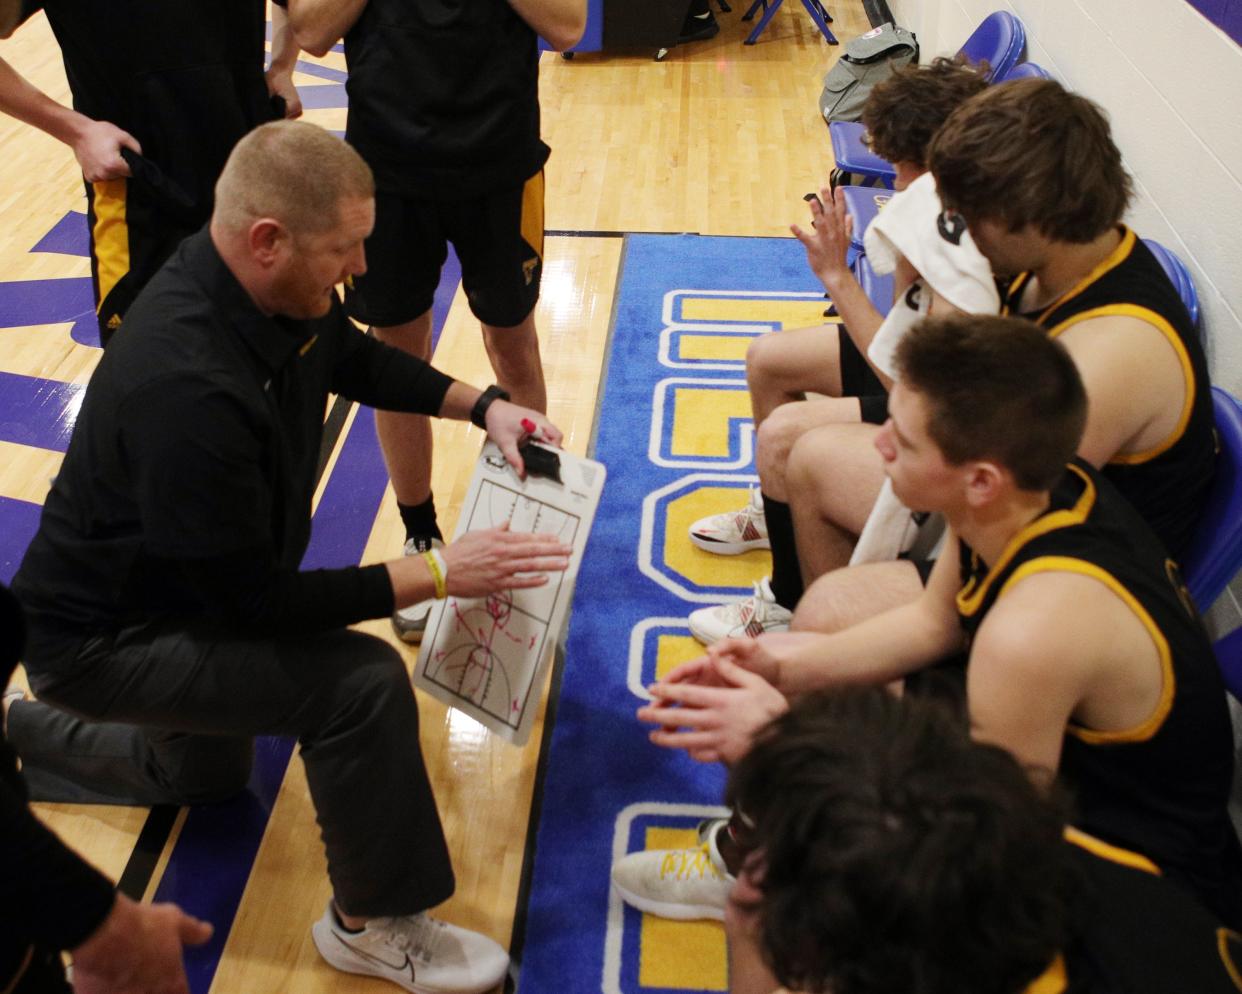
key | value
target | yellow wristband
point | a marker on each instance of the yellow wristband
(439, 571)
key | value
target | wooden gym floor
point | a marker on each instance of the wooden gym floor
(718, 139)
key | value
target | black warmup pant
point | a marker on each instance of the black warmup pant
(163, 713)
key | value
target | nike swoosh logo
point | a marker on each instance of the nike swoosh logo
(379, 961)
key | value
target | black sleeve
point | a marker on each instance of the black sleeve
(379, 375)
(237, 590)
(206, 511)
(52, 897)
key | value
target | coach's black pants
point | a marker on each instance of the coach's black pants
(163, 713)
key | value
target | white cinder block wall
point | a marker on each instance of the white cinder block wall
(1171, 82)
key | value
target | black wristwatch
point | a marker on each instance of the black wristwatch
(478, 413)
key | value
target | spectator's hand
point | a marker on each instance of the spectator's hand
(508, 424)
(98, 151)
(280, 84)
(828, 240)
(483, 562)
(713, 723)
(137, 950)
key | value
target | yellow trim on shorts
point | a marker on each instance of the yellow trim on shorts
(1053, 980)
(970, 597)
(111, 236)
(1223, 935)
(1151, 724)
(1188, 372)
(1106, 850)
(532, 213)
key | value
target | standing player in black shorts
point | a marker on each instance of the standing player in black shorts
(161, 94)
(444, 106)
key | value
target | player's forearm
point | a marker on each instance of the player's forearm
(858, 314)
(559, 22)
(319, 24)
(876, 651)
(284, 44)
(19, 99)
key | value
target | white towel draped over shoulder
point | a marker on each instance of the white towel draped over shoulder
(941, 251)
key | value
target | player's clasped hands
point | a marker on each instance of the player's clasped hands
(483, 562)
(713, 706)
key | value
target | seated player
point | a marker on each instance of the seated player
(887, 852)
(1033, 172)
(901, 115)
(1086, 654)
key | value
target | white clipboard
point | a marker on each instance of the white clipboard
(486, 656)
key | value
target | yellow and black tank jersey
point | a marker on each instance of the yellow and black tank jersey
(184, 77)
(1162, 787)
(1169, 483)
(1133, 932)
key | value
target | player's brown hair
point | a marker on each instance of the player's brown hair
(903, 112)
(996, 388)
(1030, 152)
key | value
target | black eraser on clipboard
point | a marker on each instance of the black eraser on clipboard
(540, 461)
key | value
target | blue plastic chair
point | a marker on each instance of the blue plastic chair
(1215, 553)
(879, 289)
(819, 14)
(1180, 277)
(1229, 658)
(1000, 39)
(1023, 70)
(863, 204)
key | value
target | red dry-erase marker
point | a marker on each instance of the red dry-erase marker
(529, 426)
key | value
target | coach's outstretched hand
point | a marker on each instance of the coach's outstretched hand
(508, 425)
(483, 562)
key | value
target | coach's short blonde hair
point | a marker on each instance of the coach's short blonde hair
(294, 172)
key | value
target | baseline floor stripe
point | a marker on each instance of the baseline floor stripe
(38, 412)
(31, 302)
(19, 520)
(69, 236)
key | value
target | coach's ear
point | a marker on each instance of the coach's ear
(985, 482)
(268, 241)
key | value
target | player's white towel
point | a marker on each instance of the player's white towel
(942, 252)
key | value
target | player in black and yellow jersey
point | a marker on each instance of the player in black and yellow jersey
(1086, 655)
(161, 94)
(888, 852)
(1034, 172)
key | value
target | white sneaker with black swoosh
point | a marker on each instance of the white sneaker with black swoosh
(421, 953)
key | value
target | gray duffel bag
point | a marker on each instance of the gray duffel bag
(869, 59)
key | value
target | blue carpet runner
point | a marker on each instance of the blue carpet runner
(674, 430)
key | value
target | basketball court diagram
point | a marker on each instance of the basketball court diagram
(484, 655)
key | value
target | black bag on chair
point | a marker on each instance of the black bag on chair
(869, 59)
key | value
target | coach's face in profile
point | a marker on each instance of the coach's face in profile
(311, 265)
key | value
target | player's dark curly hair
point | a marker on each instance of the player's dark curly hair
(902, 113)
(896, 856)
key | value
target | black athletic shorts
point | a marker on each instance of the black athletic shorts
(135, 224)
(858, 379)
(498, 237)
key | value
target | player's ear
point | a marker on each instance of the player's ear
(985, 481)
